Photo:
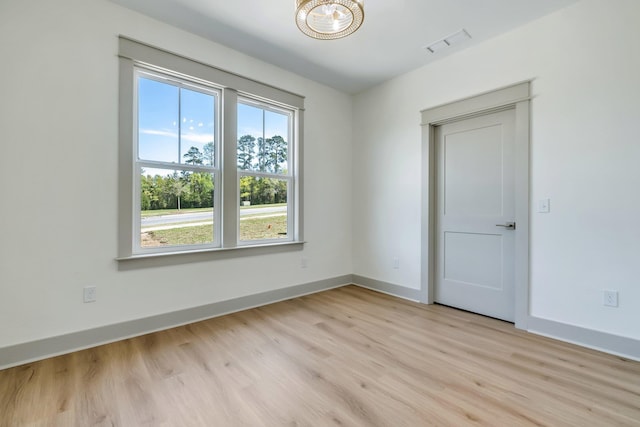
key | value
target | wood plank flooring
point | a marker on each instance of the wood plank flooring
(344, 357)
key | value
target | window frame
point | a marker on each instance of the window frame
(215, 169)
(289, 177)
(135, 56)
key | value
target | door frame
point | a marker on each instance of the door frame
(517, 97)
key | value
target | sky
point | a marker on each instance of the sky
(171, 120)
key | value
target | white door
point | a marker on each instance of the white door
(475, 205)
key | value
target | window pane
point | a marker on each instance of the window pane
(197, 128)
(157, 121)
(277, 137)
(263, 210)
(250, 128)
(262, 140)
(176, 208)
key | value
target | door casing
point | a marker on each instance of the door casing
(518, 97)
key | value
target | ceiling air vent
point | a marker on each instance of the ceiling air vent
(448, 41)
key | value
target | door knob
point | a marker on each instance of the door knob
(508, 225)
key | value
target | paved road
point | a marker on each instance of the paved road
(204, 216)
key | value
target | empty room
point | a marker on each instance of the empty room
(320, 213)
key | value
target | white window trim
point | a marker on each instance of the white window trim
(137, 55)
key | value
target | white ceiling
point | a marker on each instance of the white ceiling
(390, 42)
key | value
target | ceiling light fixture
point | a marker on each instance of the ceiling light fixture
(329, 19)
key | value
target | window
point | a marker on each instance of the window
(177, 123)
(265, 178)
(208, 160)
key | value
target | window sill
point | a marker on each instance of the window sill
(178, 257)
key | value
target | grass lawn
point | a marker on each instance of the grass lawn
(250, 229)
(263, 228)
(178, 236)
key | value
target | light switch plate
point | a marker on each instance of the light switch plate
(610, 298)
(89, 294)
(544, 205)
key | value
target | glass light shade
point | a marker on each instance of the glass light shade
(329, 19)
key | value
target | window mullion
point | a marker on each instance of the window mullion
(259, 174)
(176, 166)
(230, 200)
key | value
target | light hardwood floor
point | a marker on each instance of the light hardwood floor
(345, 357)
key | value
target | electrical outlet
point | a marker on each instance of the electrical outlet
(396, 263)
(89, 293)
(611, 298)
(304, 262)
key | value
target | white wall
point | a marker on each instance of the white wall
(58, 176)
(585, 64)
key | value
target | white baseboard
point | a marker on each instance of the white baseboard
(31, 351)
(387, 288)
(614, 344)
